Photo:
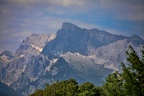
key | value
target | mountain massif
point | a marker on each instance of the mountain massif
(73, 52)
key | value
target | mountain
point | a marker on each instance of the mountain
(73, 52)
(6, 90)
(22, 69)
(71, 38)
(33, 45)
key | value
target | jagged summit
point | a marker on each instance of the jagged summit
(67, 25)
(71, 38)
(136, 40)
(34, 44)
(135, 37)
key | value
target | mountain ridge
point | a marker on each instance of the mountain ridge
(85, 54)
(69, 33)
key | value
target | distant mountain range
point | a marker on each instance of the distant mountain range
(73, 52)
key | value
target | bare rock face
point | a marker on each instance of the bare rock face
(71, 38)
(25, 66)
(34, 44)
(5, 58)
(73, 52)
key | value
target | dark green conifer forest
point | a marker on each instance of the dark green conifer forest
(128, 82)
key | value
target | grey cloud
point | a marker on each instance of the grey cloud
(86, 3)
(48, 2)
(125, 9)
(120, 9)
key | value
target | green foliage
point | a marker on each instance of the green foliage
(63, 88)
(134, 74)
(113, 85)
(69, 88)
(89, 89)
(130, 82)
(38, 92)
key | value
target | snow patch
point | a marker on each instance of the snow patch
(5, 58)
(51, 37)
(21, 55)
(37, 48)
(51, 63)
(24, 67)
(54, 60)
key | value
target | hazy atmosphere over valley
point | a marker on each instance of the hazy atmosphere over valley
(21, 18)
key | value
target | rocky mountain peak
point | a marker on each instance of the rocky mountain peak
(34, 44)
(136, 40)
(135, 37)
(67, 25)
(71, 38)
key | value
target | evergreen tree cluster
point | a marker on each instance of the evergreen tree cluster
(68, 88)
(128, 82)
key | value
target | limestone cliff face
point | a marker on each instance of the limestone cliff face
(34, 44)
(71, 38)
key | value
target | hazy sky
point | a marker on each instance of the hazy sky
(20, 18)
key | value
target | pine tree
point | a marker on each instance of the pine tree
(134, 74)
(113, 85)
(87, 89)
(130, 82)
